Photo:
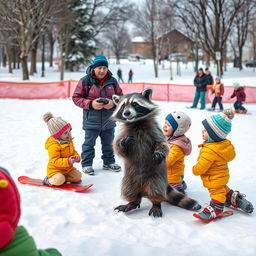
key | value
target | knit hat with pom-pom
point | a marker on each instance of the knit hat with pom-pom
(56, 125)
(218, 126)
(10, 208)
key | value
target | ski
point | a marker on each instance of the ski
(66, 186)
(225, 214)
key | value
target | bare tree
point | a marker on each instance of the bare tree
(241, 27)
(152, 22)
(25, 20)
(8, 45)
(118, 37)
(65, 24)
(51, 33)
(211, 22)
(104, 13)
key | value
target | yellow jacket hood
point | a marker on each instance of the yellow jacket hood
(223, 149)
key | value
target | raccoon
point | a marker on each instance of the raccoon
(143, 146)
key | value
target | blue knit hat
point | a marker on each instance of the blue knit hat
(218, 126)
(100, 60)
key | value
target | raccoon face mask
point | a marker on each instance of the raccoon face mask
(133, 107)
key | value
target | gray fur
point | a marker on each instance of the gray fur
(141, 142)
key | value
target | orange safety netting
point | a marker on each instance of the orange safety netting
(65, 89)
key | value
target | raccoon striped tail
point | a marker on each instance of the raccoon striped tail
(177, 198)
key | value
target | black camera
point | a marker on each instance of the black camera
(102, 100)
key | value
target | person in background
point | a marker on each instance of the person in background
(200, 82)
(15, 240)
(209, 76)
(119, 75)
(62, 153)
(218, 91)
(212, 166)
(240, 95)
(93, 94)
(176, 125)
(130, 76)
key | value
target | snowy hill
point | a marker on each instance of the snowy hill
(80, 224)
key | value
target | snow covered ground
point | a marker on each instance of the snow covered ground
(81, 224)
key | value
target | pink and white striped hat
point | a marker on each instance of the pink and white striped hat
(56, 125)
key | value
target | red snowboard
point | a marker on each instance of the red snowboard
(38, 182)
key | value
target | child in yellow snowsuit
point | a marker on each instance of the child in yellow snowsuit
(61, 151)
(176, 125)
(212, 166)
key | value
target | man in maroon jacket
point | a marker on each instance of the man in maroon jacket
(94, 95)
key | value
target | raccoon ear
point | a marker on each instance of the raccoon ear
(147, 93)
(116, 99)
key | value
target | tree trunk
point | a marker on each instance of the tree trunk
(4, 58)
(24, 65)
(207, 60)
(62, 66)
(33, 68)
(51, 53)
(240, 56)
(14, 61)
(117, 59)
(155, 66)
(9, 58)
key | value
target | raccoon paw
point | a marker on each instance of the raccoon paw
(125, 142)
(156, 210)
(128, 207)
(158, 157)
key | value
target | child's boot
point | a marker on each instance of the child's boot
(184, 184)
(211, 212)
(244, 111)
(46, 181)
(178, 186)
(237, 200)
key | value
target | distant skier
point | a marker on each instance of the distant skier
(200, 82)
(119, 75)
(240, 95)
(218, 91)
(130, 76)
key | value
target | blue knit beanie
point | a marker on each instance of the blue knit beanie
(100, 60)
(218, 126)
(172, 122)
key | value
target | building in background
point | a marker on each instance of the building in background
(171, 42)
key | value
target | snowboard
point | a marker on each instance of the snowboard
(225, 214)
(68, 186)
(243, 113)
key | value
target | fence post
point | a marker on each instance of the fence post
(69, 88)
(168, 92)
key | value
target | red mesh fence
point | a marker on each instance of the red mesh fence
(65, 89)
